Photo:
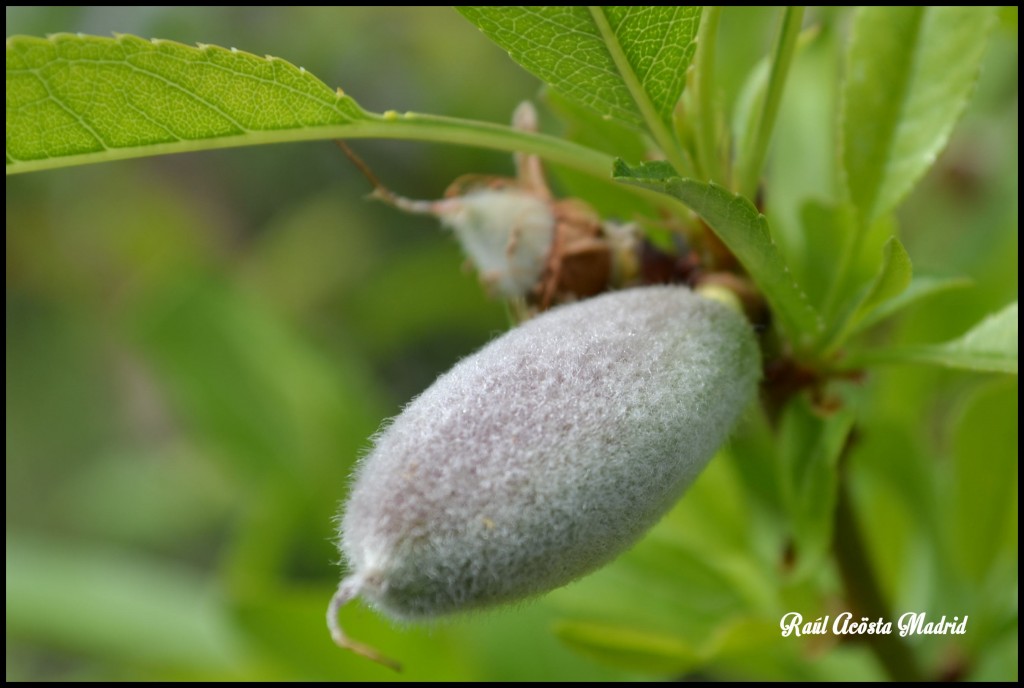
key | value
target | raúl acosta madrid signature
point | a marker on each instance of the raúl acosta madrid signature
(910, 623)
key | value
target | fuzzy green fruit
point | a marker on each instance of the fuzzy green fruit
(546, 454)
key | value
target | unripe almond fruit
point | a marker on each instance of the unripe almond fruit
(545, 454)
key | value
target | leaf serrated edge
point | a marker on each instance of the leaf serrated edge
(796, 332)
(408, 126)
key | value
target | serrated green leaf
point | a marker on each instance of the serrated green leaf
(75, 99)
(920, 288)
(909, 73)
(568, 48)
(990, 346)
(629, 648)
(744, 230)
(76, 94)
(809, 447)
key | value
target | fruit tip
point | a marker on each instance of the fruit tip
(347, 590)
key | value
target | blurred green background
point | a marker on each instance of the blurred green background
(199, 347)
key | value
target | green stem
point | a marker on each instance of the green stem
(864, 593)
(451, 130)
(408, 126)
(708, 163)
(655, 125)
(752, 158)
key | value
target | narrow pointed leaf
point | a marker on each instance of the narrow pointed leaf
(744, 230)
(909, 73)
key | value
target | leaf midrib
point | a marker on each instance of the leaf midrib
(650, 114)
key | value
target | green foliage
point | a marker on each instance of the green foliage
(991, 345)
(198, 347)
(894, 276)
(909, 74)
(985, 500)
(810, 444)
(639, 650)
(627, 63)
(919, 288)
(744, 231)
(164, 97)
(768, 86)
(69, 95)
(45, 581)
